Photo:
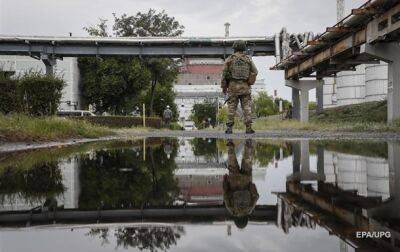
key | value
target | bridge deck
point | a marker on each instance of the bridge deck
(338, 48)
(132, 46)
(264, 213)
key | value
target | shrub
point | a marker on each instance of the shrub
(122, 121)
(9, 98)
(41, 94)
(201, 112)
(175, 126)
(223, 115)
(33, 94)
(264, 105)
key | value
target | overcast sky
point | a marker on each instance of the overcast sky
(200, 18)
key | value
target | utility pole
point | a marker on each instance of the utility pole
(227, 25)
(144, 115)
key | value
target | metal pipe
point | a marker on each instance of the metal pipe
(277, 48)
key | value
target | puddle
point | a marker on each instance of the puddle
(200, 194)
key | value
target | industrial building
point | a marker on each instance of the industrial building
(199, 81)
(366, 83)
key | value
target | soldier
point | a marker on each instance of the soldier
(238, 76)
(167, 116)
(240, 193)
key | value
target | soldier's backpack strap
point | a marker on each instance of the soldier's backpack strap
(252, 76)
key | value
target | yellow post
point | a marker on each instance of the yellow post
(144, 149)
(144, 115)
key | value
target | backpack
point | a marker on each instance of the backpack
(239, 68)
(241, 199)
(167, 114)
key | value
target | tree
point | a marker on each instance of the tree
(163, 71)
(151, 23)
(163, 96)
(264, 105)
(205, 147)
(32, 184)
(157, 238)
(201, 113)
(120, 178)
(112, 84)
(99, 30)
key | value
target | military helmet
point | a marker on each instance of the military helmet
(239, 45)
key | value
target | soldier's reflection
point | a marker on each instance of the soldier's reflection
(240, 193)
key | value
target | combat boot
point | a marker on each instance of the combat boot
(249, 130)
(229, 128)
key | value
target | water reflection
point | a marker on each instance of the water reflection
(342, 187)
(118, 179)
(240, 193)
(152, 238)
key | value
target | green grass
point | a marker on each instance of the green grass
(369, 112)
(263, 124)
(17, 127)
(365, 117)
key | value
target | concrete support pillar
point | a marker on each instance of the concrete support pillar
(390, 53)
(320, 161)
(296, 157)
(320, 96)
(296, 104)
(49, 61)
(394, 170)
(304, 100)
(391, 208)
(301, 163)
(300, 97)
(305, 156)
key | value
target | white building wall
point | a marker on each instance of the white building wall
(376, 82)
(330, 163)
(378, 177)
(66, 68)
(352, 173)
(368, 175)
(70, 174)
(351, 86)
(69, 70)
(329, 93)
(185, 103)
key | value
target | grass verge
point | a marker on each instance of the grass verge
(263, 124)
(364, 117)
(17, 127)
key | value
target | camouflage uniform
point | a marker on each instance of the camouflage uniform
(240, 193)
(167, 116)
(238, 90)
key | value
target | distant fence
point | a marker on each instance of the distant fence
(122, 121)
